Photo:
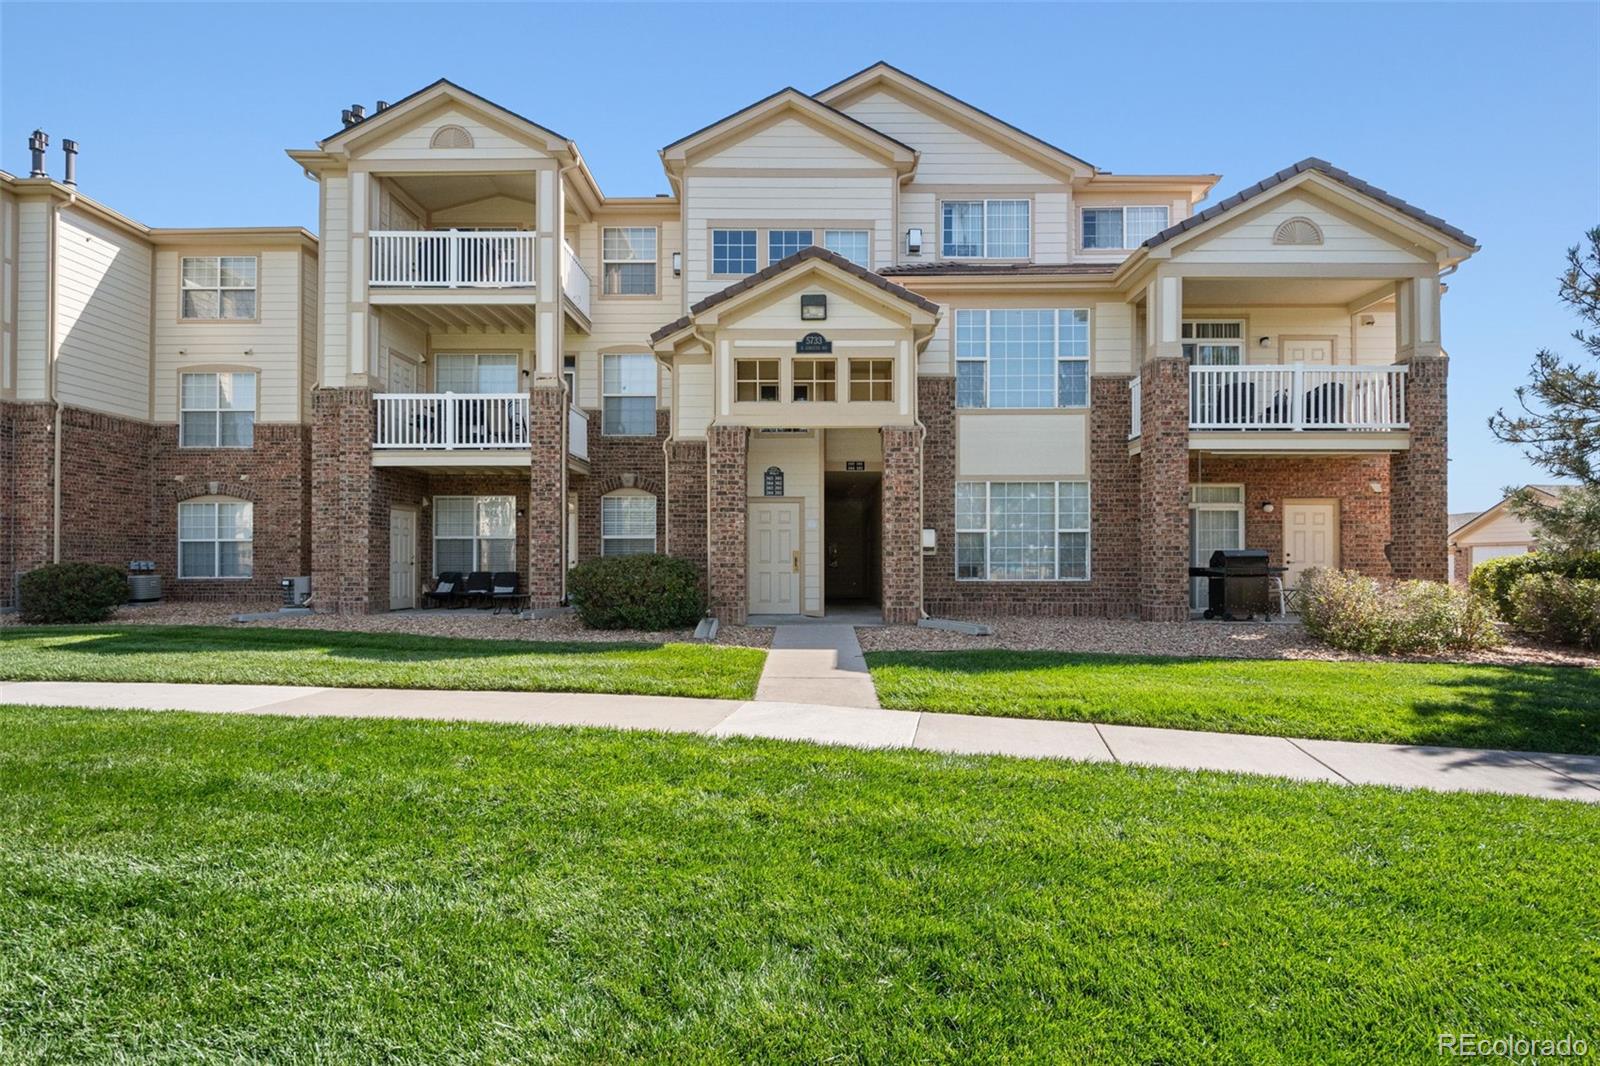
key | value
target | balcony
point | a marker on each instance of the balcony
(466, 422)
(576, 285)
(447, 259)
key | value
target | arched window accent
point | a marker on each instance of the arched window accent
(627, 523)
(450, 137)
(1297, 231)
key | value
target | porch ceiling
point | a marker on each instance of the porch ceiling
(1281, 292)
(466, 317)
(440, 192)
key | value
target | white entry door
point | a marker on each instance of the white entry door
(1312, 351)
(774, 570)
(402, 559)
(1310, 537)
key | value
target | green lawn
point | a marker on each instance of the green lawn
(182, 887)
(1524, 708)
(260, 656)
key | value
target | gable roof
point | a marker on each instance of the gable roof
(790, 98)
(761, 277)
(1311, 165)
(1459, 523)
(439, 89)
(884, 72)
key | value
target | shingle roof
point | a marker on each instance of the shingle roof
(408, 97)
(782, 265)
(1326, 169)
(851, 119)
(912, 270)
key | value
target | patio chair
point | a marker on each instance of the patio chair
(505, 590)
(445, 590)
(478, 586)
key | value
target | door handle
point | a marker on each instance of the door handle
(794, 560)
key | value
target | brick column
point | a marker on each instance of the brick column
(1113, 499)
(27, 491)
(547, 503)
(1418, 504)
(686, 502)
(1164, 491)
(727, 554)
(342, 492)
(902, 524)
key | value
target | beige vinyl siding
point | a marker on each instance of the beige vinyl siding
(752, 202)
(694, 400)
(1003, 444)
(1112, 327)
(780, 314)
(102, 317)
(504, 211)
(1250, 240)
(8, 293)
(334, 256)
(935, 357)
(1374, 345)
(273, 341)
(948, 155)
(400, 338)
(786, 144)
(33, 298)
(800, 459)
(415, 141)
(1052, 230)
(624, 323)
(917, 211)
(393, 213)
(1504, 528)
(844, 446)
(308, 332)
(523, 344)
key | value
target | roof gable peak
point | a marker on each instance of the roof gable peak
(789, 100)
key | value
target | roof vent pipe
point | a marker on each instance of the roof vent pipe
(70, 150)
(346, 118)
(37, 144)
(383, 105)
(358, 112)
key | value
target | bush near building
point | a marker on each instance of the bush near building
(649, 592)
(1492, 580)
(68, 593)
(1556, 608)
(1357, 613)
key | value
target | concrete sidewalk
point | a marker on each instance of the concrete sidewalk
(1572, 777)
(816, 664)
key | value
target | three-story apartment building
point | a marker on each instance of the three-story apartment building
(876, 346)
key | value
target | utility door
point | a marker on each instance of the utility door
(774, 570)
(402, 559)
(1310, 537)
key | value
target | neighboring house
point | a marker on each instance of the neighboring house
(876, 346)
(1478, 536)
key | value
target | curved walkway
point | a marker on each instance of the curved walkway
(1571, 777)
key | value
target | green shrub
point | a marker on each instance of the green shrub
(636, 592)
(1493, 579)
(71, 593)
(1551, 607)
(1358, 613)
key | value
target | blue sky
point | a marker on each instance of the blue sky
(1488, 115)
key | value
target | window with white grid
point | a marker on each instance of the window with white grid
(216, 410)
(986, 229)
(733, 251)
(782, 243)
(628, 394)
(1139, 224)
(853, 244)
(474, 533)
(219, 286)
(1022, 358)
(628, 260)
(475, 372)
(1022, 530)
(627, 523)
(1121, 227)
(216, 538)
(1214, 342)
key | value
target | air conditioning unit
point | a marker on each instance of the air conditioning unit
(296, 591)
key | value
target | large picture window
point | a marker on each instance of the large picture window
(219, 286)
(627, 523)
(733, 252)
(216, 410)
(1022, 530)
(1214, 343)
(986, 229)
(216, 538)
(628, 260)
(1121, 227)
(1022, 358)
(469, 372)
(628, 395)
(854, 244)
(474, 533)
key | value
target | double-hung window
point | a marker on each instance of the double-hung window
(1022, 358)
(986, 229)
(474, 533)
(733, 252)
(217, 410)
(627, 523)
(1022, 530)
(1121, 227)
(628, 395)
(475, 372)
(628, 260)
(1214, 343)
(215, 538)
(219, 286)
(782, 243)
(853, 244)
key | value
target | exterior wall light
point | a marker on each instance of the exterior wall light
(677, 264)
(1267, 506)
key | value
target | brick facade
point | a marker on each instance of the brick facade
(1164, 491)
(727, 448)
(1418, 519)
(686, 502)
(622, 462)
(546, 499)
(342, 500)
(902, 523)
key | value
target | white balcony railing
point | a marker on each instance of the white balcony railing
(1297, 397)
(502, 259)
(577, 433)
(575, 281)
(1136, 394)
(450, 421)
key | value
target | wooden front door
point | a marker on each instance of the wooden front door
(402, 559)
(1312, 351)
(774, 569)
(1310, 537)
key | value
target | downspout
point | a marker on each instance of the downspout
(568, 402)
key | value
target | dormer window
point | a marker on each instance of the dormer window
(986, 229)
(1106, 228)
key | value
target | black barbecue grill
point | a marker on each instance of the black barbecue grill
(1238, 583)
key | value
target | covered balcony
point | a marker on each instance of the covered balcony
(1294, 397)
(466, 422)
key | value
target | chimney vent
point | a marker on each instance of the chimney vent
(37, 144)
(346, 118)
(70, 150)
(383, 105)
(358, 112)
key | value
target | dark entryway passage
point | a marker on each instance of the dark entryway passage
(851, 556)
